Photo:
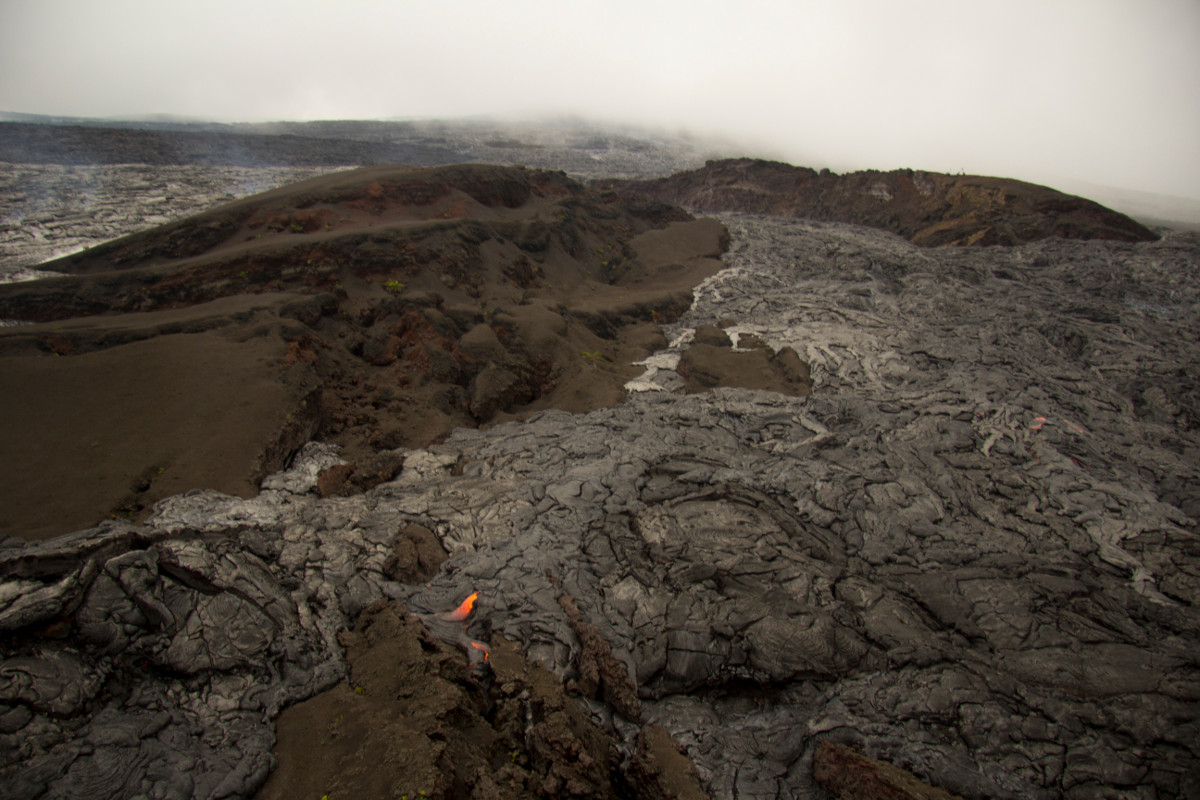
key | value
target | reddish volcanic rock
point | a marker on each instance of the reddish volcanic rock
(601, 674)
(927, 208)
(849, 775)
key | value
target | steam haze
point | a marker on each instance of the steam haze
(1093, 91)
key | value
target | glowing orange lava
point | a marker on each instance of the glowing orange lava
(483, 648)
(464, 609)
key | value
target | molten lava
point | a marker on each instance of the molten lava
(464, 609)
(460, 614)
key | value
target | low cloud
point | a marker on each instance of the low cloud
(1098, 91)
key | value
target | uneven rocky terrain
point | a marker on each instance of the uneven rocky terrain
(927, 208)
(52, 210)
(373, 308)
(963, 543)
(64, 187)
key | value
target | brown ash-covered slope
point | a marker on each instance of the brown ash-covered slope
(929, 209)
(375, 309)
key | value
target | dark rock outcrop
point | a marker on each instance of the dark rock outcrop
(927, 208)
(711, 361)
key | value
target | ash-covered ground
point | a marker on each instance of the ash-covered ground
(972, 550)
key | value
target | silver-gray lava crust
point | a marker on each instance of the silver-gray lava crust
(973, 550)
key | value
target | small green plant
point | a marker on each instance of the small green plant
(360, 691)
(394, 286)
(297, 227)
(244, 275)
(595, 357)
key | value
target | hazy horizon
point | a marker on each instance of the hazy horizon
(1095, 92)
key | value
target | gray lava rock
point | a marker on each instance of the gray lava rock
(52, 210)
(966, 553)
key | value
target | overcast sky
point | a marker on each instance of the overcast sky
(1094, 90)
